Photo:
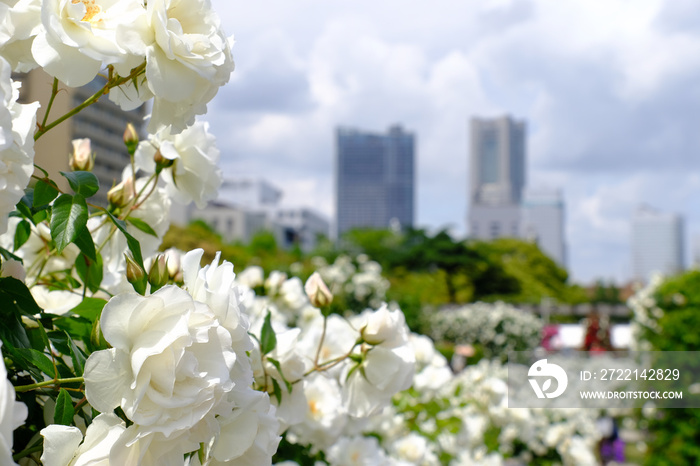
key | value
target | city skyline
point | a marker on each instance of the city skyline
(608, 91)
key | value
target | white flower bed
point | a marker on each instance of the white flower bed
(497, 328)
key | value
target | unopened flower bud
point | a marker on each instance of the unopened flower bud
(82, 158)
(158, 275)
(121, 194)
(135, 274)
(173, 259)
(131, 138)
(14, 269)
(162, 161)
(317, 291)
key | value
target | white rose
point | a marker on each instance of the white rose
(62, 444)
(326, 417)
(252, 276)
(248, 436)
(385, 327)
(357, 451)
(291, 408)
(79, 38)
(12, 415)
(188, 58)
(169, 364)
(382, 373)
(20, 21)
(214, 285)
(14, 269)
(194, 174)
(17, 123)
(412, 448)
(57, 302)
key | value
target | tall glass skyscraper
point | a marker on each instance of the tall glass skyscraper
(497, 177)
(657, 243)
(374, 176)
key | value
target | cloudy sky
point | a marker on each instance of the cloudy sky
(610, 90)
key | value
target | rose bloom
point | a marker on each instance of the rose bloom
(79, 38)
(17, 123)
(384, 372)
(194, 174)
(62, 444)
(169, 365)
(357, 451)
(188, 58)
(20, 21)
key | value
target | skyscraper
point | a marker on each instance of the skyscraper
(543, 222)
(497, 172)
(374, 179)
(657, 243)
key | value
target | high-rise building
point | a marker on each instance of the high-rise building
(497, 173)
(543, 222)
(374, 179)
(103, 122)
(657, 243)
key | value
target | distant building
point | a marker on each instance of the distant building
(247, 206)
(252, 193)
(301, 226)
(657, 243)
(543, 222)
(103, 122)
(499, 204)
(497, 175)
(233, 223)
(374, 179)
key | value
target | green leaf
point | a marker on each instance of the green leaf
(143, 226)
(45, 191)
(11, 329)
(277, 391)
(86, 244)
(64, 409)
(8, 255)
(24, 229)
(268, 339)
(24, 206)
(89, 308)
(132, 242)
(68, 218)
(83, 183)
(89, 271)
(20, 295)
(77, 356)
(40, 216)
(277, 364)
(38, 360)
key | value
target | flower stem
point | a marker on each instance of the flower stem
(54, 92)
(26, 388)
(89, 101)
(28, 451)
